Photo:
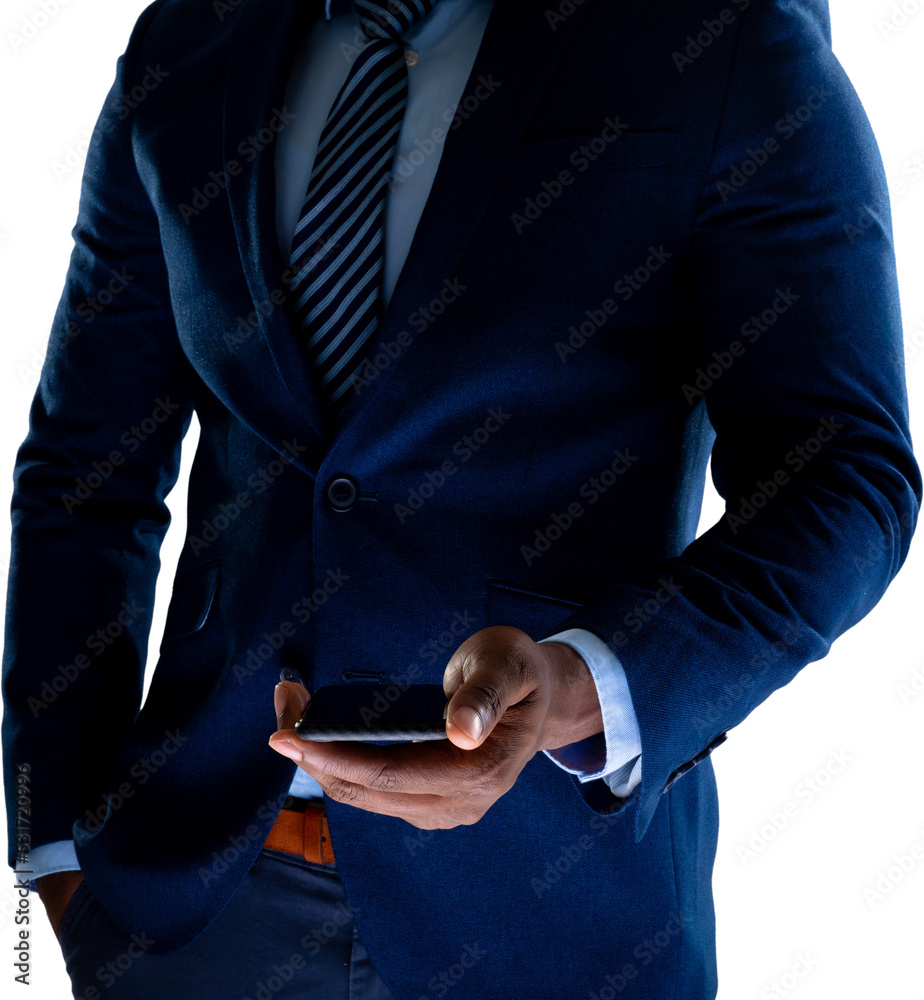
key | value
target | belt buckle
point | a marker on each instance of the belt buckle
(316, 846)
(324, 850)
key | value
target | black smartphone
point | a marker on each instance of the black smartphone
(375, 713)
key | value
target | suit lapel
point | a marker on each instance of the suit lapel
(263, 42)
(517, 57)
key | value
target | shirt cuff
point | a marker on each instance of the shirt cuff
(58, 856)
(620, 745)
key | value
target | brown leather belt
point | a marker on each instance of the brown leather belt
(301, 829)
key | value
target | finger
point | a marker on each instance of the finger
(412, 792)
(290, 700)
(496, 673)
(434, 767)
(425, 811)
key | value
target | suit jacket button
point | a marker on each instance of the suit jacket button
(341, 493)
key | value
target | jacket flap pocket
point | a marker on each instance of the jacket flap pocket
(191, 601)
(547, 157)
(538, 615)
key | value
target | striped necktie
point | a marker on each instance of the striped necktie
(338, 248)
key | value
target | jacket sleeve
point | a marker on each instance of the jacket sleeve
(90, 481)
(795, 304)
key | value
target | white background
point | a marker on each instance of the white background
(803, 890)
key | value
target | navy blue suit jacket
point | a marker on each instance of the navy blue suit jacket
(727, 266)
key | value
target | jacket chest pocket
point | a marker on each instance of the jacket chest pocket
(565, 159)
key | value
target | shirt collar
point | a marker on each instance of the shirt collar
(332, 7)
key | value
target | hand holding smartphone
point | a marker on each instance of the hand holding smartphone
(363, 712)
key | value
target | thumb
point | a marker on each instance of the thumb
(494, 677)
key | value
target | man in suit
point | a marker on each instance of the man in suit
(609, 241)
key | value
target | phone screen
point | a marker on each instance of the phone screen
(375, 713)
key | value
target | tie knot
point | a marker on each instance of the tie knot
(389, 19)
